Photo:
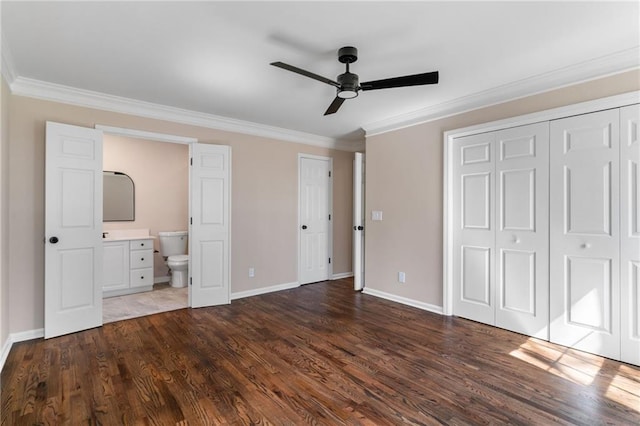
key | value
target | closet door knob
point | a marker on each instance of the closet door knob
(304, 226)
(53, 240)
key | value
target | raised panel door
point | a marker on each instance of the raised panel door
(630, 234)
(474, 236)
(314, 220)
(73, 229)
(585, 238)
(210, 199)
(522, 231)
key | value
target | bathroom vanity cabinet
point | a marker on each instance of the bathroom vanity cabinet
(128, 266)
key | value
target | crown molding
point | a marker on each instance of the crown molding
(616, 63)
(6, 61)
(38, 89)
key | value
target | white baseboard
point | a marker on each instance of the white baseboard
(164, 279)
(15, 338)
(5, 352)
(264, 290)
(405, 301)
(342, 275)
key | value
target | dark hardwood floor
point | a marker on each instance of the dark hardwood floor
(319, 354)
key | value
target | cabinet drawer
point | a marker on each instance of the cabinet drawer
(141, 259)
(141, 244)
(141, 277)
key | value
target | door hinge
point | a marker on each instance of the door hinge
(329, 173)
(190, 221)
(329, 217)
(191, 161)
(329, 260)
(190, 281)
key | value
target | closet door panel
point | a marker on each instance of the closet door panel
(522, 231)
(474, 256)
(584, 242)
(630, 234)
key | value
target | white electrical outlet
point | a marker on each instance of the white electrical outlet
(376, 215)
(401, 277)
(252, 272)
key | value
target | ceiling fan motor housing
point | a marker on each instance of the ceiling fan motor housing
(348, 55)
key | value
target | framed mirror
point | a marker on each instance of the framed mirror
(118, 197)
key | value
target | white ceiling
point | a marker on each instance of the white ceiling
(213, 57)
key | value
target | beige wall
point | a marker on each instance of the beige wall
(264, 201)
(160, 172)
(404, 179)
(4, 213)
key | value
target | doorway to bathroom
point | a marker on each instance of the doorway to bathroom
(74, 247)
(159, 172)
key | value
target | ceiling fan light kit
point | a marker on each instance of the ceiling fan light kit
(348, 84)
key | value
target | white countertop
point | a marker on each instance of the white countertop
(127, 234)
(108, 239)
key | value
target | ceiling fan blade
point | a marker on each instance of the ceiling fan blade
(305, 73)
(407, 80)
(335, 105)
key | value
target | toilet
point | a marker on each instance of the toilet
(173, 248)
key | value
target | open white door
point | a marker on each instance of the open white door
(210, 204)
(358, 221)
(73, 229)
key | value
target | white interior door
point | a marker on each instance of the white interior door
(314, 200)
(630, 234)
(358, 221)
(474, 230)
(585, 242)
(73, 229)
(209, 238)
(522, 231)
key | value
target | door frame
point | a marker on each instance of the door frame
(610, 102)
(156, 137)
(329, 208)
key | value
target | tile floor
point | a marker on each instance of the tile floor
(163, 298)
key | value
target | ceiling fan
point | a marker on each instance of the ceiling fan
(348, 85)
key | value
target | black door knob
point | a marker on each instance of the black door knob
(360, 228)
(304, 226)
(355, 228)
(53, 240)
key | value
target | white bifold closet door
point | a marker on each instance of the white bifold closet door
(501, 228)
(630, 234)
(585, 233)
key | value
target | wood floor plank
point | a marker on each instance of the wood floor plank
(319, 354)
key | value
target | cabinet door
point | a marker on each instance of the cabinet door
(116, 265)
(474, 234)
(630, 234)
(584, 215)
(522, 229)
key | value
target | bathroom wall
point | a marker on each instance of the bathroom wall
(160, 172)
(264, 201)
(404, 179)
